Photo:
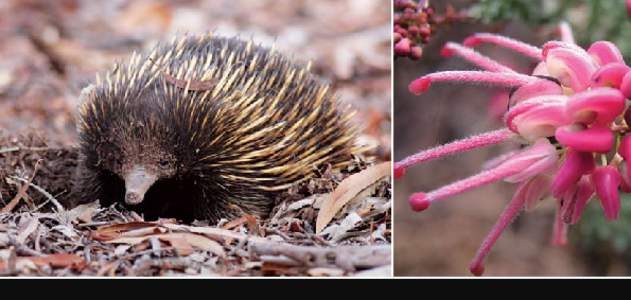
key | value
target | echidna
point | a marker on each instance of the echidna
(207, 127)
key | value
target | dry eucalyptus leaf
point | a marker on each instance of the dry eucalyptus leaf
(196, 241)
(110, 232)
(338, 232)
(183, 242)
(24, 232)
(319, 272)
(83, 212)
(348, 190)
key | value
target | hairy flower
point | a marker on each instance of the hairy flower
(569, 113)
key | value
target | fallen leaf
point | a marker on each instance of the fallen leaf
(378, 272)
(121, 249)
(4, 240)
(201, 242)
(249, 220)
(348, 190)
(217, 234)
(110, 232)
(235, 223)
(331, 272)
(309, 201)
(59, 260)
(146, 231)
(83, 212)
(66, 230)
(183, 242)
(27, 230)
(338, 232)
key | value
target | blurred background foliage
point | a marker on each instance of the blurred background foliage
(591, 20)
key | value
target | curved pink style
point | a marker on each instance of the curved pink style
(477, 141)
(597, 139)
(605, 52)
(610, 75)
(476, 267)
(565, 31)
(598, 105)
(537, 117)
(474, 57)
(535, 89)
(570, 67)
(560, 44)
(421, 84)
(625, 86)
(506, 42)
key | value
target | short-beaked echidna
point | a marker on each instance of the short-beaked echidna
(207, 127)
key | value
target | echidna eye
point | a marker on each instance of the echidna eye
(163, 162)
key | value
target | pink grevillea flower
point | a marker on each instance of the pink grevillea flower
(569, 113)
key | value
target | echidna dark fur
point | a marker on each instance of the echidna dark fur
(206, 127)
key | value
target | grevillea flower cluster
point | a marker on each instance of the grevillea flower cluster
(412, 27)
(570, 118)
(414, 23)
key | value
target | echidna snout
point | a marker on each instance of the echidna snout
(138, 180)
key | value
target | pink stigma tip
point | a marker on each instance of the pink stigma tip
(419, 202)
(420, 85)
(471, 41)
(446, 52)
(398, 171)
(477, 269)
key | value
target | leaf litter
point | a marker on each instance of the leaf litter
(39, 239)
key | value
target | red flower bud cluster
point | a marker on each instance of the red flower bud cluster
(413, 22)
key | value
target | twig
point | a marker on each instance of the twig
(16, 148)
(43, 192)
(21, 192)
(349, 258)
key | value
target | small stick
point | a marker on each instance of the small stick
(17, 148)
(43, 192)
(21, 192)
(349, 258)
